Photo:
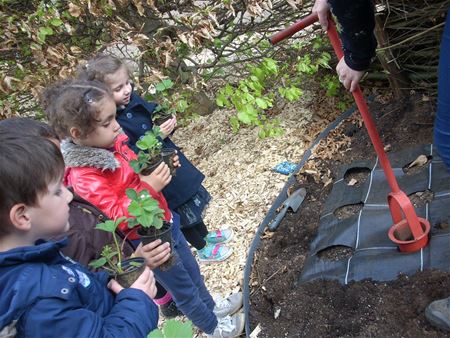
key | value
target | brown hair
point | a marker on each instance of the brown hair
(100, 66)
(74, 103)
(28, 164)
(30, 127)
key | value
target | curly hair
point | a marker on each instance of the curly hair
(74, 103)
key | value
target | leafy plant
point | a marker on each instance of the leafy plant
(111, 257)
(149, 150)
(252, 98)
(173, 328)
(144, 209)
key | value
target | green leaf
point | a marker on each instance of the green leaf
(135, 209)
(156, 333)
(261, 103)
(174, 328)
(98, 263)
(56, 22)
(131, 194)
(108, 226)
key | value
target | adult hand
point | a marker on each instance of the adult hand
(154, 253)
(145, 283)
(168, 127)
(322, 8)
(347, 76)
(159, 178)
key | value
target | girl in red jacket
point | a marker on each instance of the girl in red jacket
(97, 159)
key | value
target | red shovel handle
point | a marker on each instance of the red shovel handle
(291, 30)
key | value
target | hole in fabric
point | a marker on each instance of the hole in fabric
(356, 176)
(336, 252)
(348, 210)
(441, 225)
(416, 166)
(420, 198)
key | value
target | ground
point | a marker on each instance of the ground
(243, 186)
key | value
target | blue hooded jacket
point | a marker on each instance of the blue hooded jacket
(46, 294)
(135, 119)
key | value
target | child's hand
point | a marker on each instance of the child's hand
(176, 161)
(159, 178)
(168, 127)
(145, 283)
(154, 253)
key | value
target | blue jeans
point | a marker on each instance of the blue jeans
(442, 121)
(186, 285)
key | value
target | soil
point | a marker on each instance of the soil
(282, 308)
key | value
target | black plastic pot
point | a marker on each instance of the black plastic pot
(133, 268)
(161, 119)
(151, 167)
(151, 234)
(167, 156)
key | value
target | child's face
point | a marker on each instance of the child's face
(120, 85)
(107, 128)
(50, 216)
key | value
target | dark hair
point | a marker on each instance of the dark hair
(74, 103)
(28, 164)
(100, 66)
(29, 126)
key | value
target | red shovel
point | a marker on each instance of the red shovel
(409, 232)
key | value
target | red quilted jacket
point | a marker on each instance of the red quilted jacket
(102, 176)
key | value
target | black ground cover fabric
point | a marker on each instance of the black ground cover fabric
(374, 255)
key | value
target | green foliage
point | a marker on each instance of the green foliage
(252, 98)
(144, 209)
(170, 100)
(149, 150)
(173, 329)
(110, 259)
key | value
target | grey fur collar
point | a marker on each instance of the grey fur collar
(82, 156)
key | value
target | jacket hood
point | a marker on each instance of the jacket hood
(83, 156)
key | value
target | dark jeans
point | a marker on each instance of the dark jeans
(186, 285)
(196, 235)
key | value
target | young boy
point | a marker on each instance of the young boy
(43, 293)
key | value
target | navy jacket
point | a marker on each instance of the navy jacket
(49, 295)
(135, 119)
(357, 20)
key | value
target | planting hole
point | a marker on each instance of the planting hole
(356, 176)
(348, 210)
(416, 166)
(421, 198)
(336, 253)
(441, 225)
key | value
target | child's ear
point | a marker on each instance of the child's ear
(74, 133)
(20, 217)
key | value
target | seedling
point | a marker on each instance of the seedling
(149, 151)
(111, 257)
(145, 209)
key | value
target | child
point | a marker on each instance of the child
(43, 293)
(85, 242)
(97, 167)
(185, 193)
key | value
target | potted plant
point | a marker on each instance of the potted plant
(150, 217)
(151, 153)
(161, 114)
(125, 271)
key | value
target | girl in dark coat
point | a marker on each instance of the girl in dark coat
(185, 193)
